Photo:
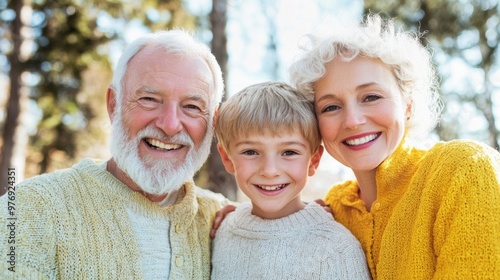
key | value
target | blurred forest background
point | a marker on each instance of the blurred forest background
(57, 57)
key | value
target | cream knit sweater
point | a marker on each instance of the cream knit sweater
(308, 244)
(73, 224)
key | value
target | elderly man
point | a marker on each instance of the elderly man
(138, 215)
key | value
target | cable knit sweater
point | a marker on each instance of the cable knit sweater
(437, 213)
(308, 244)
(73, 224)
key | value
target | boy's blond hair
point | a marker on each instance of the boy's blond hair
(270, 107)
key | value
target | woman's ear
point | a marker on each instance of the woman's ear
(111, 103)
(226, 160)
(409, 110)
(315, 159)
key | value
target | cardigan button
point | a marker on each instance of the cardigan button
(177, 228)
(179, 261)
(376, 206)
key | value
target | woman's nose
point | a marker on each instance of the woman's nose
(354, 117)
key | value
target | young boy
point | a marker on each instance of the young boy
(269, 139)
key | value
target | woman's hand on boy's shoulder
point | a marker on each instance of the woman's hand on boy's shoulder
(220, 216)
(321, 202)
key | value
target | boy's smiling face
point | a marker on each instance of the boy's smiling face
(272, 170)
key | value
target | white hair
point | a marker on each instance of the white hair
(175, 42)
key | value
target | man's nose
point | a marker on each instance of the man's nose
(169, 118)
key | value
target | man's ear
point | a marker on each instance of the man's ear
(111, 103)
(216, 114)
(226, 161)
(315, 159)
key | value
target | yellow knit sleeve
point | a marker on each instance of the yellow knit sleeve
(467, 227)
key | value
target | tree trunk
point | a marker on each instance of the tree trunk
(485, 105)
(12, 149)
(218, 179)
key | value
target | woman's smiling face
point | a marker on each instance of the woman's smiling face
(361, 112)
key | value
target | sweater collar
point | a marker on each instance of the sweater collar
(251, 225)
(186, 204)
(394, 174)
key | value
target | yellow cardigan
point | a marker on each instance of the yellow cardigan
(437, 213)
(73, 224)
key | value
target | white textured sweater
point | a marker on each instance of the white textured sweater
(308, 244)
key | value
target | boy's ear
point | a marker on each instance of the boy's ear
(111, 103)
(315, 159)
(226, 161)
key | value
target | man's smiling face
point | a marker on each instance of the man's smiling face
(163, 124)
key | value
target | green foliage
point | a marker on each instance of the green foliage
(67, 43)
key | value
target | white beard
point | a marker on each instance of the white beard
(152, 175)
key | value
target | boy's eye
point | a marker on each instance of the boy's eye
(249, 152)
(290, 153)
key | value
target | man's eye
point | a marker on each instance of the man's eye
(147, 99)
(193, 107)
(148, 102)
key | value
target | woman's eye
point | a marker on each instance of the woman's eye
(330, 108)
(372, 97)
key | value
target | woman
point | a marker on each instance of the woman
(419, 214)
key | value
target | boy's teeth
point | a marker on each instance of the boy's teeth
(162, 146)
(271, 188)
(362, 140)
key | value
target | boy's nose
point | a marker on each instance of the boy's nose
(270, 167)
